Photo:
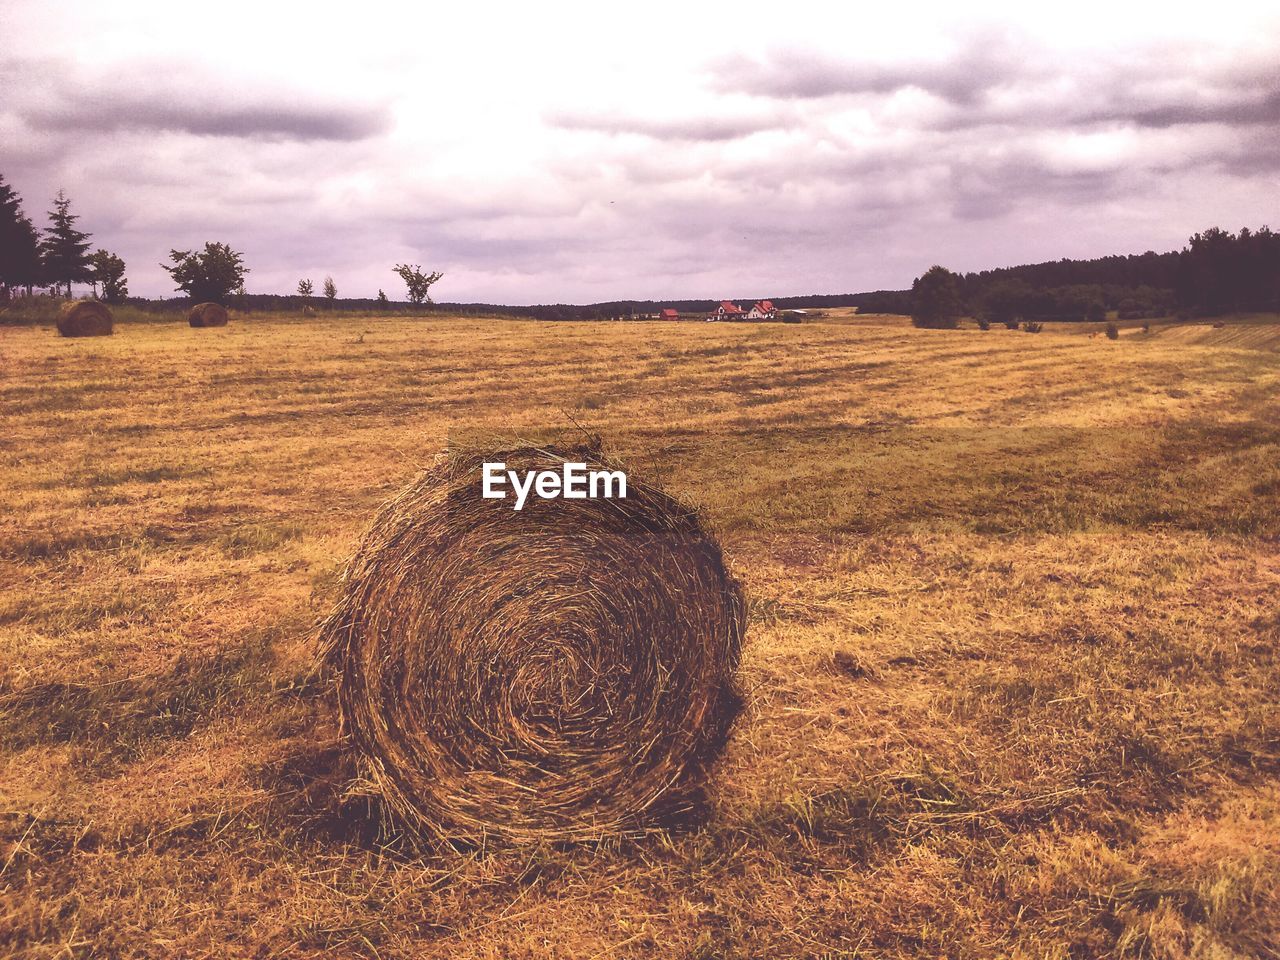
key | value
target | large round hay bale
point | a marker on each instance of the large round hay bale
(208, 315)
(85, 318)
(561, 672)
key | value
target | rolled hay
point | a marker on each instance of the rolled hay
(563, 672)
(208, 315)
(85, 318)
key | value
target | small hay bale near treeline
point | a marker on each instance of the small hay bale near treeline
(85, 318)
(559, 673)
(208, 315)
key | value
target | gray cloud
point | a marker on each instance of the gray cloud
(981, 62)
(105, 113)
(705, 128)
(1245, 105)
(1142, 91)
(1253, 155)
(50, 97)
(989, 191)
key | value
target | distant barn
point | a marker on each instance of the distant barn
(669, 314)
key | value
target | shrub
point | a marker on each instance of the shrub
(1033, 326)
(1113, 332)
(1012, 324)
(984, 323)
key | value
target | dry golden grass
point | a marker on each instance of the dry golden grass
(1011, 666)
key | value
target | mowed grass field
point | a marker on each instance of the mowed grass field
(1011, 675)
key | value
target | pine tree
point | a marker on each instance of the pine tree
(64, 248)
(19, 243)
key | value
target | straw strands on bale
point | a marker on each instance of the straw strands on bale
(562, 672)
(84, 318)
(208, 315)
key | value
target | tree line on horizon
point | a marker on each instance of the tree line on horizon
(1218, 272)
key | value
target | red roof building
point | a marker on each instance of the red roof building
(669, 314)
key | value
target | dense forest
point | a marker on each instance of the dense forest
(1217, 272)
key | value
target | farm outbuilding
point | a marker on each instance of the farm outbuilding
(668, 313)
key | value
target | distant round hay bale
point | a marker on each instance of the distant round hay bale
(562, 672)
(208, 315)
(85, 318)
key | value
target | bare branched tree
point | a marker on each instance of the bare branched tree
(418, 283)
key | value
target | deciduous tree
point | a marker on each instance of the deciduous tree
(207, 275)
(108, 270)
(935, 299)
(417, 282)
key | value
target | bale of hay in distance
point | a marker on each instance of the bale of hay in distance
(85, 318)
(562, 672)
(208, 315)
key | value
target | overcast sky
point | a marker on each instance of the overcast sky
(541, 152)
